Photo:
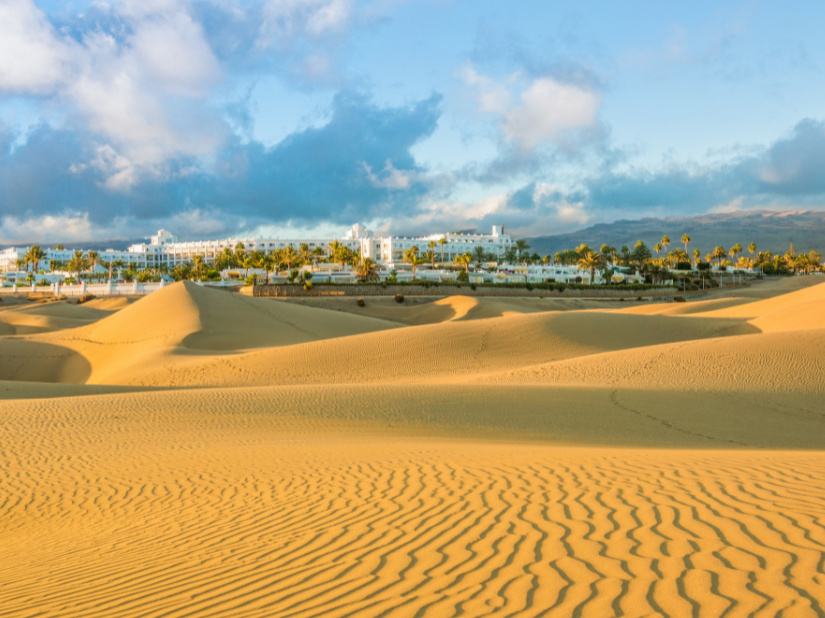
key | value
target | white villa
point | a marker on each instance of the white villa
(388, 251)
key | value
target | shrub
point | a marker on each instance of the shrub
(308, 286)
(399, 298)
(529, 287)
(678, 299)
(704, 266)
(463, 277)
(683, 266)
(473, 286)
(639, 298)
(360, 302)
(85, 298)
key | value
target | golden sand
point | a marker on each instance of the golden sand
(197, 453)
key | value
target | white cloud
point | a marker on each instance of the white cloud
(65, 228)
(143, 94)
(286, 20)
(534, 112)
(32, 58)
(393, 178)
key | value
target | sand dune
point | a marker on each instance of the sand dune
(687, 308)
(435, 352)
(774, 304)
(416, 311)
(200, 512)
(180, 319)
(31, 319)
(113, 303)
(198, 453)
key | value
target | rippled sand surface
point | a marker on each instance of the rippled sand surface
(199, 454)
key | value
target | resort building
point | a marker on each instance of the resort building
(165, 249)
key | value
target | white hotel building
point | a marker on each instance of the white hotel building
(164, 248)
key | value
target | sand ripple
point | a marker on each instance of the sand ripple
(277, 528)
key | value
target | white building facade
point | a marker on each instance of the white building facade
(165, 249)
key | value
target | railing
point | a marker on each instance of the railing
(80, 289)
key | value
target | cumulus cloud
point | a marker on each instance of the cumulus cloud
(538, 110)
(140, 94)
(33, 59)
(319, 174)
(285, 20)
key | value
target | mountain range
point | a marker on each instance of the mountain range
(772, 231)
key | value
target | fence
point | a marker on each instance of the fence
(297, 291)
(97, 289)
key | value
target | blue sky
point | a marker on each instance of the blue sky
(215, 118)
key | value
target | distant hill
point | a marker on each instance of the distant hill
(771, 231)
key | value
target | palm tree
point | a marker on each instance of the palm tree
(696, 255)
(342, 255)
(268, 264)
(317, 254)
(410, 253)
(247, 264)
(78, 263)
(34, 255)
(442, 241)
(735, 250)
(182, 271)
(591, 261)
(625, 253)
(430, 257)
(22, 264)
(511, 255)
(521, 246)
(333, 248)
(480, 254)
(258, 258)
(289, 256)
(686, 241)
(665, 242)
(463, 261)
(199, 265)
(752, 248)
(225, 259)
(657, 247)
(94, 260)
(118, 263)
(415, 262)
(431, 246)
(367, 270)
(641, 254)
(304, 252)
(719, 254)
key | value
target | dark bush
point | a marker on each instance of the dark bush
(85, 298)
(399, 298)
(704, 266)
(678, 299)
(360, 302)
(473, 286)
(529, 287)
(683, 266)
